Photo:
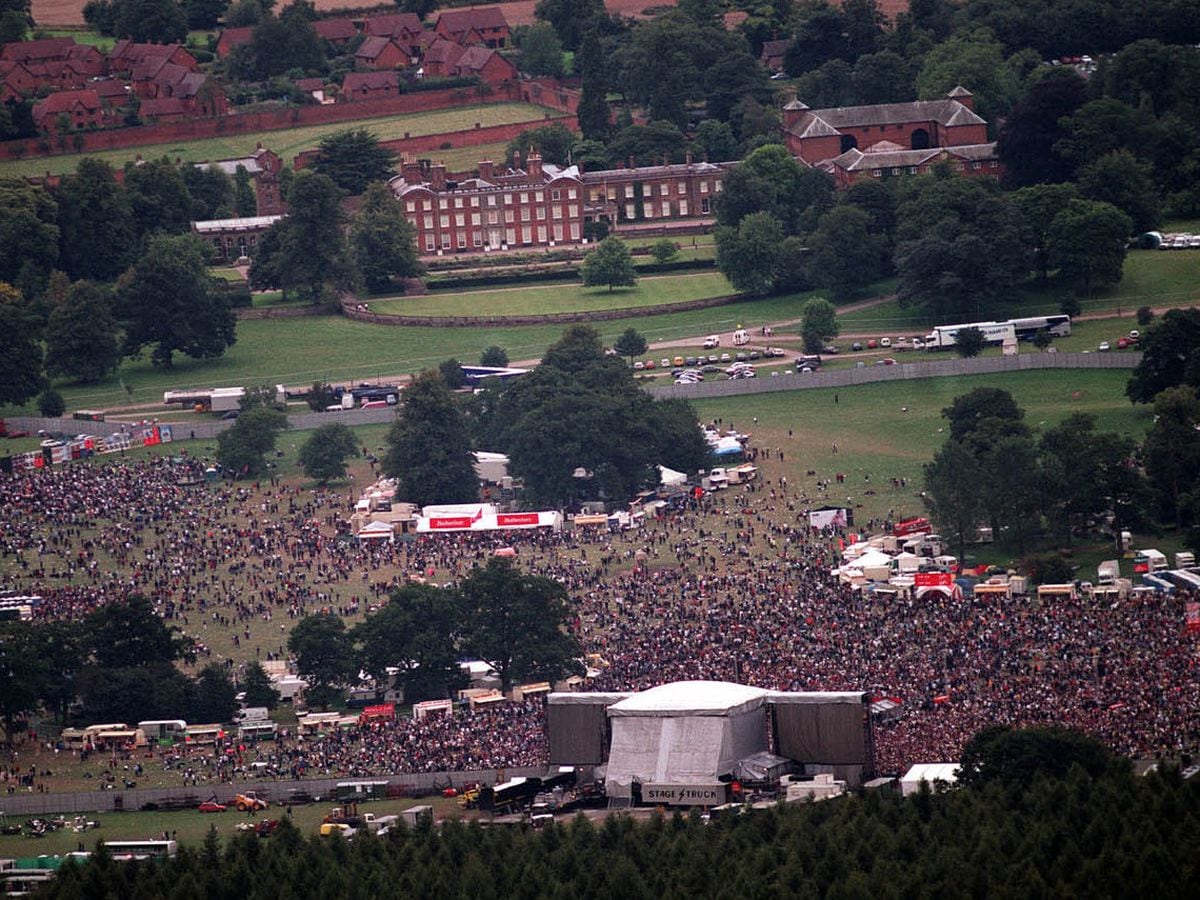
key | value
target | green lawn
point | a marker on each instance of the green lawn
(288, 142)
(94, 38)
(572, 297)
(890, 430)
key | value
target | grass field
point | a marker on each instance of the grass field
(300, 351)
(288, 142)
(572, 297)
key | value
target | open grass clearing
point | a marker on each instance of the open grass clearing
(650, 290)
(290, 141)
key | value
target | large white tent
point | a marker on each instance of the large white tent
(683, 733)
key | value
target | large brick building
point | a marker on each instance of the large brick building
(264, 167)
(891, 138)
(543, 205)
(534, 206)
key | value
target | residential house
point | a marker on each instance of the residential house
(338, 32)
(773, 53)
(376, 53)
(485, 64)
(233, 37)
(113, 92)
(484, 25)
(886, 160)
(56, 62)
(359, 86)
(76, 110)
(16, 81)
(315, 88)
(263, 167)
(535, 206)
(439, 58)
(43, 50)
(127, 56)
(200, 95)
(394, 25)
(162, 109)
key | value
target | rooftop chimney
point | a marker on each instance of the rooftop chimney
(410, 171)
(533, 165)
(437, 177)
(486, 169)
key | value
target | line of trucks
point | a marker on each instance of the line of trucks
(229, 399)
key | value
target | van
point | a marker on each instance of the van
(252, 714)
(885, 342)
(712, 341)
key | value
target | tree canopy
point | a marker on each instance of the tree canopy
(353, 159)
(429, 446)
(609, 264)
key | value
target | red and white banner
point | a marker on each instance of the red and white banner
(1191, 615)
(482, 521)
(911, 526)
(932, 579)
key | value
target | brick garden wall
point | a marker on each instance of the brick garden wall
(264, 120)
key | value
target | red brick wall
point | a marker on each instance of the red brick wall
(429, 144)
(271, 120)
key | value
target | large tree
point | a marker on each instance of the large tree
(1125, 182)
(1086, 243)
(149, 21)
(242, 448)
(20, 355)
(306, 250)
(324, 657)
(429, 448)
(770, 180)
(97, 234)
(976, 62)
(959, 247)
(609, 264)
(257, 686)
(28, 235)
(818, 324)
(169, 302)
(323, 455)
(573, 19)
(131, 633)
(158, 197)
(1171, 451)
(846, 255)
(1031, 130)
(749, 254)
(22, 670)
(416, 632)
(354, 159)
(383, 243)
(541, 50)
(518, 624)
(281, 44)
(81, 335)
(1170, 356)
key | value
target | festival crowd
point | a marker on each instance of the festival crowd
(733, 586)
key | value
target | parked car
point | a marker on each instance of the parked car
(857, 345)
(677, 361)
(725, 357)
(885, 342)
(872, 344)
(754, 354)
(638, 366)
(211, 806)
(1134, 334)
(739, 356)
(1124, 342)
(651, 364)
(689, 361)
(831, 349)
(665, 363)
(711, 341)
(886, 361)
(1104, 346)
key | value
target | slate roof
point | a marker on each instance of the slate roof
(371, 47)
(945, 112)
(335, 29)
(856, 160)
(371, 81)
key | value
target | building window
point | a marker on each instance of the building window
(510, 216)
(493, 218)
(541, 213)
(878, 173)
(539, 196)
(959, 167)
(629, 211)
(525, 197)
(508, 198)
(718, 186)
(572, 194)
(556, 212)
(524, 213)
(460, 219)
(574, 231)
(573, 210)
(541, 234)
(705, 206)
(648, 209)
(462, 240)
(683, 207)
(594, 194)
(491, 200)
(410, 206)
(475, 219)
(976, 165)
(477, 238)
(428, 222)
(993, 164)
(445, 221)
(429, 243)
(895, 170)
(558, 232)
(510, 236)
(912, 170)
(446, 241)
(629, 192)
(556, 194)
(474, 201)
(458, 202)
(704, 185)
(526, 235)
(681, 188)
(664, 189)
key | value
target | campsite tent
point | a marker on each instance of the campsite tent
(670, 477)
(377, 531)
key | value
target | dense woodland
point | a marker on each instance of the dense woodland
(1043, 814)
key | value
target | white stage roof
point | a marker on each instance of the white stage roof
(692, 698)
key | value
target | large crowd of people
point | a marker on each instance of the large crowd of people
(733, 586)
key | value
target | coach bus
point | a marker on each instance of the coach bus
(1030, 327)
(126, 850)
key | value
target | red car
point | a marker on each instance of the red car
(211, 806)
